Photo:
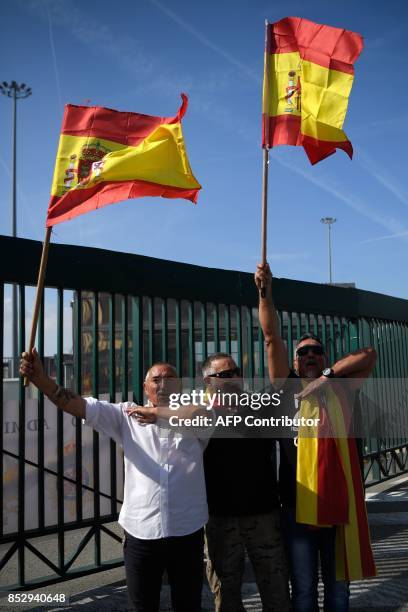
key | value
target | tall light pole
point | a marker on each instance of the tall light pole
(16, 92)
(329, 222)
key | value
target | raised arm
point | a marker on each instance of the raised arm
(358, 364)
(65, 399)
(268, 318)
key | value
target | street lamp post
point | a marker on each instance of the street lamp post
(16, 92)
(329, 222)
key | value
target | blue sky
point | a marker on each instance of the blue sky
(139, 56)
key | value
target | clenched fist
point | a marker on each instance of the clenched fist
(263, 277)
(31, 366)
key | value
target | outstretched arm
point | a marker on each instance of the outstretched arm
(150, 414)
(268, 319)
(65, 399)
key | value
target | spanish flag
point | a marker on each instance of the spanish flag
(309, 72)
(329, 488)
(105, 156)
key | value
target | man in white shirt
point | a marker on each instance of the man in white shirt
(164, 507)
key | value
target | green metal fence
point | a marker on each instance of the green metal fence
(107, 316)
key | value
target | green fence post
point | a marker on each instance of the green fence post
(21, 445)
(125, 349)
(239, 336)
(204, 331)
(250, 344)
(112, 395)
(150, 328)
(216, 328)
(40, 430)
(60, 431)
(78, 388)
(95, 434)
(227, 328)
(164, 331)
(137, 350)
(191, 343)
(179, 362)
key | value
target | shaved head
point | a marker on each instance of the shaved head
(161, 380)
(160, 366)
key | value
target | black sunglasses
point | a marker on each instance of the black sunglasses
(314, 348)
(227, 373)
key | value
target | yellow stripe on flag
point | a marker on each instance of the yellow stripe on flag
(161, 158)
(324, 95)
(274, 100)
(73, 149)
(306, 469)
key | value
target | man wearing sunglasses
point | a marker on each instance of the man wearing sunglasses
(305, 543)
(243, 506)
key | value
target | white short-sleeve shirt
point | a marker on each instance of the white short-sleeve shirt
(164, 490)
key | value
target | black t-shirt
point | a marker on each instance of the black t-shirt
(240, 475)
(288, 449)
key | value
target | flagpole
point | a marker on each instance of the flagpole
(38, 296)
(264, 210)
(265, 154)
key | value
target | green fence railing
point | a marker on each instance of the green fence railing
(105, 317)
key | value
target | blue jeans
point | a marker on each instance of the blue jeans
(303, 547)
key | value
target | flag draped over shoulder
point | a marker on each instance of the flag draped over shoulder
(308, 77)
(329, 489)
(105, 156)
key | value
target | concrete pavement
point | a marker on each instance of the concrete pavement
(388, 516)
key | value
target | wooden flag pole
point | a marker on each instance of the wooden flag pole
(40, 287)
(264, 210)
(265, 111)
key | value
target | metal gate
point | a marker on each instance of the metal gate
(105, 317)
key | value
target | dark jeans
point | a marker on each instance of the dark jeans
(145, 562)
(304, 545)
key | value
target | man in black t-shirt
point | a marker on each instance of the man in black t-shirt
(305, 543)
(243, 507)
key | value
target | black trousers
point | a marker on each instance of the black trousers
(145, 562)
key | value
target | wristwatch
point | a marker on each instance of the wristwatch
(328, 372)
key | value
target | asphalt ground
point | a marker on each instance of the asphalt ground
(388, 516)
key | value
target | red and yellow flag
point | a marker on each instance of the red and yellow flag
(329, 489)
(105, 156)
(308, 77)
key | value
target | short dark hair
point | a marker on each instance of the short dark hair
(309, 336)
(207, 364)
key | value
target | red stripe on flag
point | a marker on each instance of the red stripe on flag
(332, 48)
(367, 560)
(366, 554)
(283, 129)
(332, 495)
(79, 201)
(316, 150)
(125, 128)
